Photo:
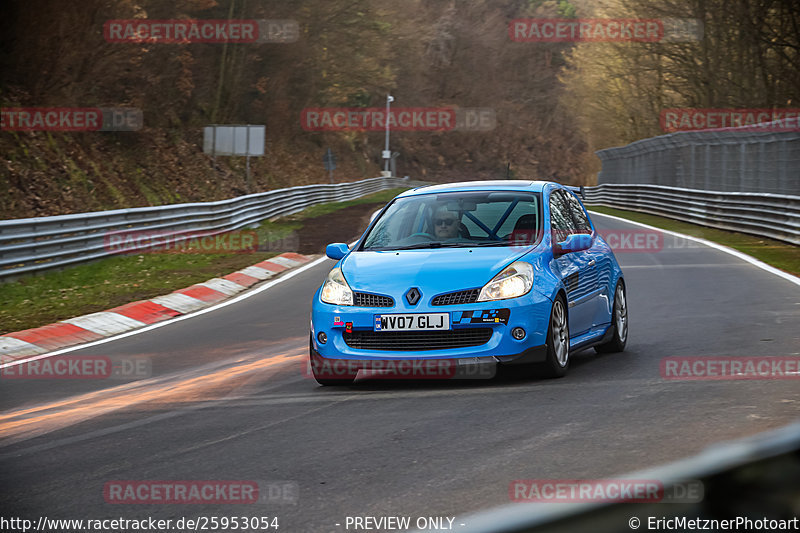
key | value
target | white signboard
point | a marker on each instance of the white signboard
(234, 140)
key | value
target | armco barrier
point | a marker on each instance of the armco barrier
(34, 244)
(775, 216)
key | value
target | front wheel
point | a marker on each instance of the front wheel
(556, 362)
(619, 323)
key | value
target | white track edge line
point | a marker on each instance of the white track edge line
(728, 250)
(292, 273)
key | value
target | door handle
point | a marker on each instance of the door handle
(592, 262)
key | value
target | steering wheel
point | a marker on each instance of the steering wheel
(427, 235)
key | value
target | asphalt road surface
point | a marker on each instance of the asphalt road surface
(228, 399)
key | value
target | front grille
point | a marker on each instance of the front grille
(457, 298)
(417, 340)
(364, 299)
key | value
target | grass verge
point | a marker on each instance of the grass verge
(775, 253)
(324, 209)
(46, 298)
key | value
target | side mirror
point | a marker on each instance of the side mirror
(575, 243)
(336, 250)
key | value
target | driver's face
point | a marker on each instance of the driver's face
(445, 224)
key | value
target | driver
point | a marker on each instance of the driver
(445, 223)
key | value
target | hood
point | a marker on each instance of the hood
(433, 271)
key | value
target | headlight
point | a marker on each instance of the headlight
(515, 280)
(335, 289)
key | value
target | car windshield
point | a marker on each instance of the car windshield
(457, 219)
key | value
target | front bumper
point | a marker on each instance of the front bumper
(530, 312)
(469, 368)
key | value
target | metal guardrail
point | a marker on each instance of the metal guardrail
(34, 244)
(731, 160)
(776, 216)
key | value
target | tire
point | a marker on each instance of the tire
(322, 372)
(619, 323)
(556, 362)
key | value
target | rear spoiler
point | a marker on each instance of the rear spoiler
(578, 190)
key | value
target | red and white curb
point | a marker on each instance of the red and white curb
(135, 315)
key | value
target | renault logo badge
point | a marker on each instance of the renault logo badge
(413, 295)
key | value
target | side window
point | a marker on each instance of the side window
(578, 214)
(561, 222)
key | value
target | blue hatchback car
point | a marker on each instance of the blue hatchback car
(508, 273)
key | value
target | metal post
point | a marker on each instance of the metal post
(386, 153)
(724, 166)
(247, 159)
(214, 146)
(742, 167)
(783, 166)
(329, 162)
(249, 187)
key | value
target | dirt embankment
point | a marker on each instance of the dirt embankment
(44, 174)
(344, 225)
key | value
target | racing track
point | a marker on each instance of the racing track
(228, 400)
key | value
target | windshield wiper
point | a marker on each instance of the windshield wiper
(492, 243)
(437, 244)
(434, 244)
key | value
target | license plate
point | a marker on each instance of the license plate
(413, 322)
